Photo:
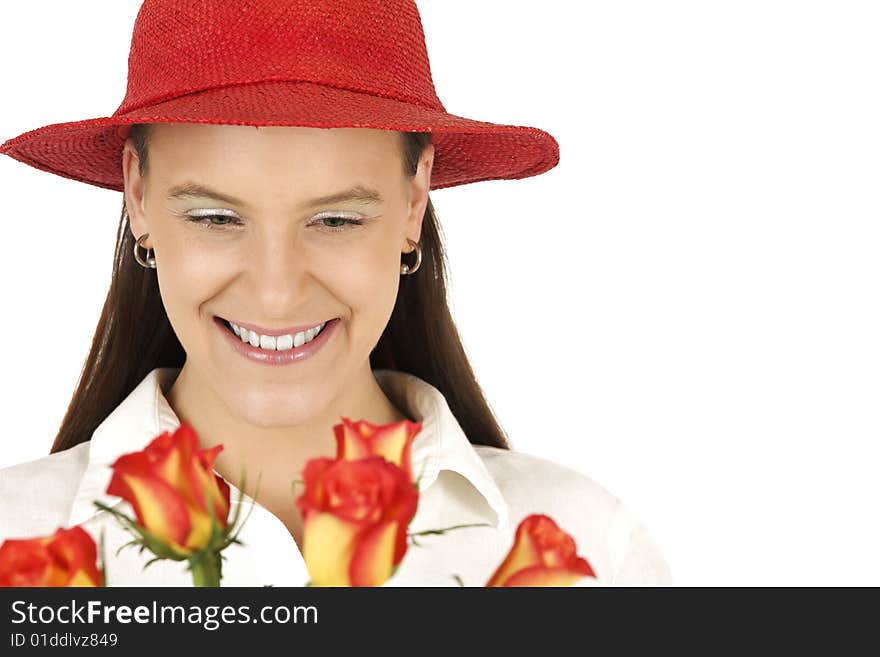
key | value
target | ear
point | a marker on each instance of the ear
(420, 185)
(134, 191)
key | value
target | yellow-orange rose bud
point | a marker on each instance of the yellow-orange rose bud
(542, 555)
(393, 442)
(170, 484)
(66, 558)
(355, 519)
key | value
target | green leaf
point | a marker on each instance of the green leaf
(234, 537)
(421, 474)
(147, 540)
(443, 531)
(120, 548)
(103, 559)
(151, 562)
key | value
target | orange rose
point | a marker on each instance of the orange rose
(542, 555)
(168, 484)
(66, 558)
(355, 517)
(355, 440)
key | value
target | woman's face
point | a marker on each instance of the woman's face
(256, 245)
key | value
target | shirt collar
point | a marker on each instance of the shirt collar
(145, 413)
(441, 444)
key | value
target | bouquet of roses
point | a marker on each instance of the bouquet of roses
(356, 511)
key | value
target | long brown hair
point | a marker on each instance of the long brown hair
(134, 335)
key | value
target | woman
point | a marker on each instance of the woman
(279, 266)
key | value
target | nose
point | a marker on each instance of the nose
(281, 275)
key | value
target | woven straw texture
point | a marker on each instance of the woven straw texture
(311, 63)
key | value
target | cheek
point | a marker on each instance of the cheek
(187, 276)
(368, 281)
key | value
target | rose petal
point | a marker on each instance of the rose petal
(59, 559)
(76, 554)
(327, 548)
(393, 442)
(521, 555)
(372, 560)
(543, 576)
(159, 508)
(23, 562)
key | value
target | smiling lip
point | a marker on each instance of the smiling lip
(285, 357)
(293, 330)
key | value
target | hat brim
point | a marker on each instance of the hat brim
(466, 150)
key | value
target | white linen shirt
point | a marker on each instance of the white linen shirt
(462, 483)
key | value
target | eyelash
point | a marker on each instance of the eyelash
(203, 221)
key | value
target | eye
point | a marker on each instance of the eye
(207, 220)
(332, 223)
(337, 223)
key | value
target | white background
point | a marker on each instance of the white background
(685, 309)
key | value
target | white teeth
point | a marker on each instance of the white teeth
(276, 343)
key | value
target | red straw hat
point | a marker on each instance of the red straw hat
(312, 63)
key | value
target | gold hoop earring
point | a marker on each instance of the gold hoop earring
(150, 262)
(404, 268)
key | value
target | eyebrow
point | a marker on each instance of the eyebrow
(358, 194)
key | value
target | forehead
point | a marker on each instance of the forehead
(248, 156)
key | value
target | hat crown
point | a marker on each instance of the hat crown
(369, 46)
